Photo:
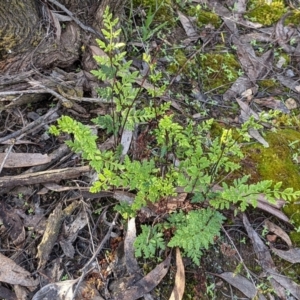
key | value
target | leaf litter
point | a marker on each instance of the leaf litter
(54, 237)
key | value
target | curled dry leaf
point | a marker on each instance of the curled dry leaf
(278, 231)
(242, 84)
(59, 291)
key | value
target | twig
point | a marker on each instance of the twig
(31, 125)
(85, 268)
(9, 93)
(6, 156)
(67, 103)
(42, 177)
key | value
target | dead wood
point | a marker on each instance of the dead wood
(40, 177)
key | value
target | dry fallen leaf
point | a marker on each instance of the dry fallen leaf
(131, 263)
(292, 255)
(278, 281)
(272, 103)
(147, 283)
(187, 25)
(59, 291)
(179, 287)
(13, 223)
(246, 112)
(50, 235)
(256, 135)
(12, 273)
(126, 140)
(243, 284)
(70, 233)
(20, 160)
(278, 232)
(288, 82)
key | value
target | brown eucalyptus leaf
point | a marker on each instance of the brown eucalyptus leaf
(242, 284)
(272, 103)
(242, 84)
(279, 232)
(291, 255)
(187, 25)
(70, 233)
(284, 34)
(131, 262)
(20, 160)
(288, 82)
(246, 111)
(179, 287)
(57, 26)
(59, 291)
(50, 235)
(147, 283)
(278, 281)
(256, 135)
(126, 140)
(12, 273)
(13, 223)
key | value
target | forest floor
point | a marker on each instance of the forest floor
(226, 60)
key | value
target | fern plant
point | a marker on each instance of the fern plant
(183, 155)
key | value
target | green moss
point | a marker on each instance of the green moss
(293, 19)
(265, 13)
(218, 71)
(292, 120)
(179, 60)
(162, 9)
(204, 17)
(268, 84)
(276, 163)
(295, 237)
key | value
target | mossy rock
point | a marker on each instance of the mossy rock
(265, 13)
(218, 71)
(276, 163)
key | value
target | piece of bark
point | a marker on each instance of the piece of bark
(20, 160)
(40, 177)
